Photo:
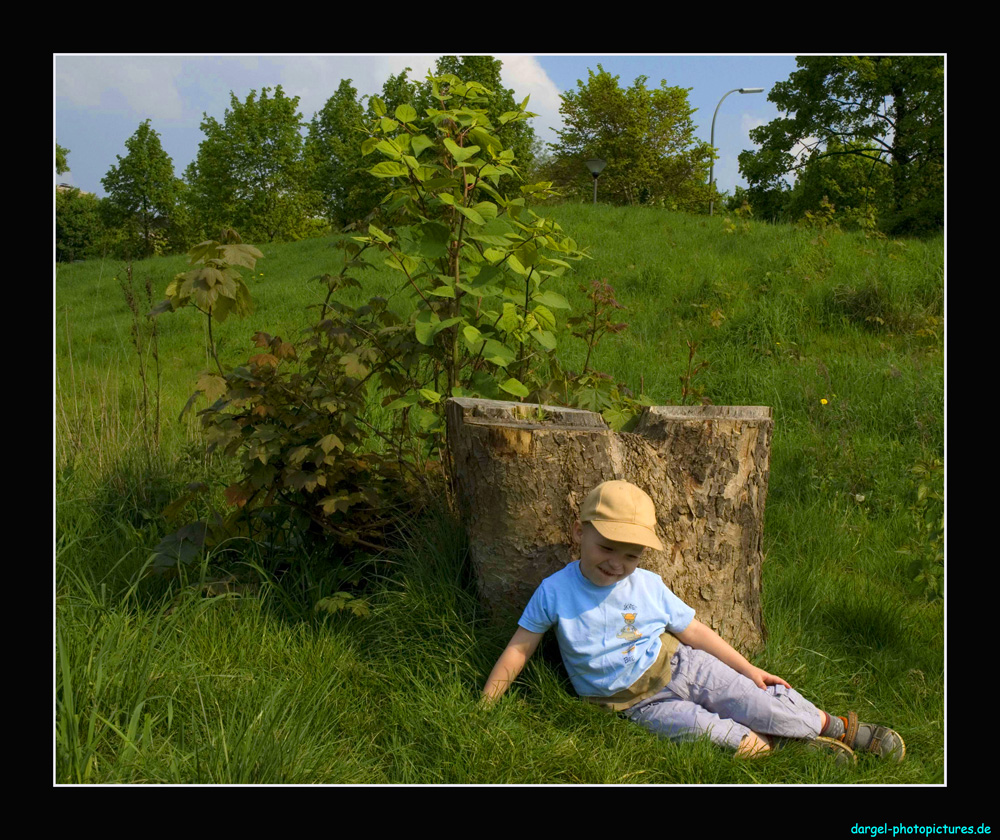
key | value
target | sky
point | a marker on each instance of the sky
(99, 100)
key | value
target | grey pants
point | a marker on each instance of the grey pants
(707, 697)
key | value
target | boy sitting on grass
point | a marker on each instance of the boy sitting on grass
(629, 644)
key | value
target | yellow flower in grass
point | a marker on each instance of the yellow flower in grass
(823, 402)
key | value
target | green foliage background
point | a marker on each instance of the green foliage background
(273, 176)
(646, 137)
(250, 172)
(885, 111)
(142, 192)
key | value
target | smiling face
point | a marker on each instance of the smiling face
(604, 562)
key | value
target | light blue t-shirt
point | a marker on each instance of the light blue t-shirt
(609, 636)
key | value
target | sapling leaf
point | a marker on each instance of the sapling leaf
(406, 113)
(460, 153)
(212, 386)
(515, 387)
(424, 327)
(161, 307)
(389, 149)
(245, 255)
(421, 143)
(470, 214)
(551, 299)
(431, 240)
(545, 338)
(389, 169)
(331, 441)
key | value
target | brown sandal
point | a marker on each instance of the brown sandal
(881, 740)
(842, 753)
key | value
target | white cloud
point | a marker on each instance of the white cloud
(392, 65)
(146, 85)
(314, 79)
(525, 76)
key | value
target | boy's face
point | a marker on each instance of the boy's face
(604, 562)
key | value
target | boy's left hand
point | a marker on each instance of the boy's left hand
(763, 679)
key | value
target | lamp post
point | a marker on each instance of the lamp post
(595, 165)
(711, 170)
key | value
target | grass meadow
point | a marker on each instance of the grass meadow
(154, 683)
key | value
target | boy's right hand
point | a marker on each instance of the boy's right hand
(763, 679)
(518, 651)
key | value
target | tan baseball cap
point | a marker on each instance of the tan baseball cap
(622, 512)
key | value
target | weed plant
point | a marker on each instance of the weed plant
(157, 683)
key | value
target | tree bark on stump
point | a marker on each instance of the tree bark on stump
(521, 471)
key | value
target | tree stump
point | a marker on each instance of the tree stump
(522, 470)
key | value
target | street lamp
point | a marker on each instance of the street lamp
(595, 165)
(711, 169)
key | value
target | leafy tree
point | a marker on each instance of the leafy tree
(646, 136)
(399, 90)
(459, 243)
(142, 189)
(216, 288)
(61, 164)
(859, 190)
(516, 135)
(183, 230)
(79, 227)
(770, 204)
(333, 148)
(540, 160)
(349, 192)
(484, 271)
(251, 172)
(887, 110)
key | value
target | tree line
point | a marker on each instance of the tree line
(876, 151)
(877, 157)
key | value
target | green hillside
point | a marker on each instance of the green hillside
(841, 334)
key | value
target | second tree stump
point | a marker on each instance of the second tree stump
(521, 472)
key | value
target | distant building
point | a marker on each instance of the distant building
(68, 187)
